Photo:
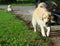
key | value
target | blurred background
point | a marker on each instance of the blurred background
(24, 1)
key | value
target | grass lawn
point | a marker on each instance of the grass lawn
(14, 32)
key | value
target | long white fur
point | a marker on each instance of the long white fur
(37, 19)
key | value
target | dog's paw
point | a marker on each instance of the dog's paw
(48, 35)
(44, 35)
(34, 31)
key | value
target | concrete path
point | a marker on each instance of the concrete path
(25, 13)
(26, 10)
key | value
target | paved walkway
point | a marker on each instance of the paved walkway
(25, 12)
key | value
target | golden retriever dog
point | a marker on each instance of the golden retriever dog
(41, 16)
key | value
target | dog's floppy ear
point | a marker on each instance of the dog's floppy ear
(50, 14)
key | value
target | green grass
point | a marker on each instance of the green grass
(14, 32)
(29, 4)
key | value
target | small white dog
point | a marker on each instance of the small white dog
(41, 16)
(9, 8)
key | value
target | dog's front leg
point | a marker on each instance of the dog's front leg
(48, 31)
(34, 24)
(43, 31)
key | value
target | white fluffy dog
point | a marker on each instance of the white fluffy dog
(41, 16)
(9, 8)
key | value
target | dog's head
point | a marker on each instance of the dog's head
(9, 6)
(47, 17)
(42, 5)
